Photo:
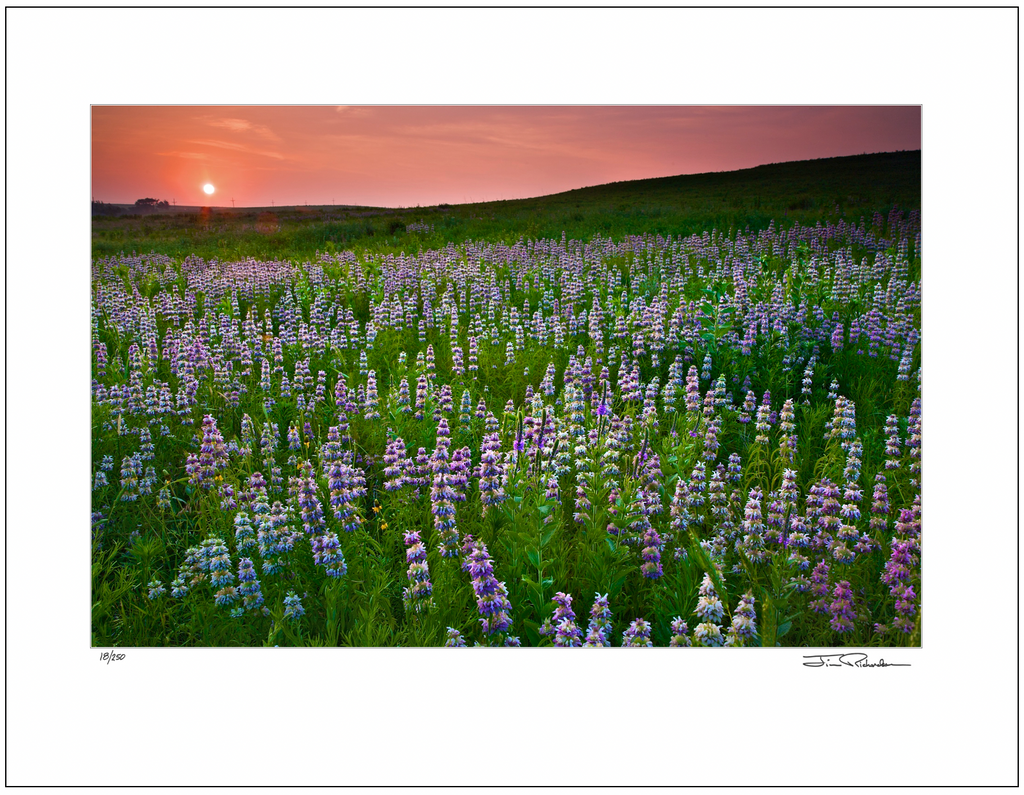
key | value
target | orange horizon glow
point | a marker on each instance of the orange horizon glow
(404, 156)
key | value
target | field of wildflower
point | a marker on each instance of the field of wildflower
(696, 440)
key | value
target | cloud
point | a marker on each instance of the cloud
(239, 148)
(353, 110)
(243, 126)
(188, 155)
(236, 125)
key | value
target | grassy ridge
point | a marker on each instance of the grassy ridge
(805, 191)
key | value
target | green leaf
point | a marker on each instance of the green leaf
(783, 629)
(534, 557)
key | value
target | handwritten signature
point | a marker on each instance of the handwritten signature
(851, 660)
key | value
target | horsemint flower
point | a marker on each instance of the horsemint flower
(179, 588)
(273, 535)
(131, 469)
(735, 469)
(455, 639)
(396, 465)
(327, 553)
(332, 450)
(749, 404)
(442, 495)
(293, 609)
(249, 588)
(217, 561)
(310, 509)
(294, 442)
(348, 486)
(213, 454)
(679, 633)
(245, 536)
(567, 633)
(744, 623)
(709, 606)
(638, 635)
(417, 595)
(711, 610)
(370, 406)
(899, 570)
(692, 390)
(762, 424)
(491, 471)
(651, 552)
(819, 587)
(708, 634)
(491, 595)
(879, 504)
(841, 609)
(752, 543)
(787, 437)
(892, 442)
(600, 626)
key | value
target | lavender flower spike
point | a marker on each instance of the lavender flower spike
(600, 623)
(455, 639)
(638, 635)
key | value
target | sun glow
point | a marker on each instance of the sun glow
(207, 188)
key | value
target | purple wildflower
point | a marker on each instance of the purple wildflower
(679, 634)
(455, 639)
(491, 595)
(442, 495)
(417, 595)
(744, 625)
(841, 609)
(600, 626)
(638, 635)
(293, 609)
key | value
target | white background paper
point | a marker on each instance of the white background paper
(405, 717)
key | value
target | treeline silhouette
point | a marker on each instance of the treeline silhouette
(141, 207)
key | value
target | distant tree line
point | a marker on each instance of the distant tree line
(102, 208)
(141, 207)
(151, 204)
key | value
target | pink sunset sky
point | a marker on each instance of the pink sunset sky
(403, 156)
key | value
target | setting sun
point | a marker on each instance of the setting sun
(207, 188)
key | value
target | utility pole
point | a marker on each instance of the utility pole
(232, 202)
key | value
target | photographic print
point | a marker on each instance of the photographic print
(463, 376)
